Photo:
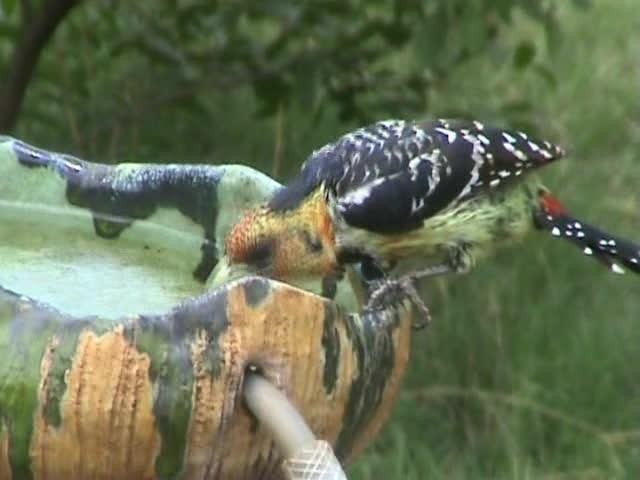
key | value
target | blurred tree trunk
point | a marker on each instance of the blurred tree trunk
(37, 29)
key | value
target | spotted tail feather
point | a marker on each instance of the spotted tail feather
(613, 251)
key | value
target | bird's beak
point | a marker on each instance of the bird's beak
(225, 272)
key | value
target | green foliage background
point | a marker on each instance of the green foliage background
(532, 367)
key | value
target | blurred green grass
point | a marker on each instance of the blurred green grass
(531, 369)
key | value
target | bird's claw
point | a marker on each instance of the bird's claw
(390, 292)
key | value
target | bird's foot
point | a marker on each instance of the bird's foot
(386, 293)
(391, 291)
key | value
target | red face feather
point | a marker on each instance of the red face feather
(241, 237)
(551, 205)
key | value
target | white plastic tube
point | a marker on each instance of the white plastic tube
(305, 457)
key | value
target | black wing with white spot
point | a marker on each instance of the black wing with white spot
(390, 176)
(498, 156)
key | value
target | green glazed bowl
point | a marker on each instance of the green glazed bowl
(119, 359)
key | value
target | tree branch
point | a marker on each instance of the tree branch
(34, 37)
(27, 11)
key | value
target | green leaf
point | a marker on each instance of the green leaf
(397, 35)
(546, 74)
(7, 7)
(8, 30)
(523, 55)
(271, 90)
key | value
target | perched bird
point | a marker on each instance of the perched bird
(442, 193)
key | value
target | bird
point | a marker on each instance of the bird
(440, 194)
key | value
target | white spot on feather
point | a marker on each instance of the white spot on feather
(478, 160)
(508, 137)
(520, 155)
(416, 204)
(483, 139)
(73, 166)
(451, 135)
(555, 232)
(615, 268)
(509, 147)
(359, 195)
(587, 251)
(413, 164)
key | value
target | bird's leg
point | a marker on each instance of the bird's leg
(460, 258)
(372, 270)
(389, 291)
(329, 285)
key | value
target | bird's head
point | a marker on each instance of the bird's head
(281, 244)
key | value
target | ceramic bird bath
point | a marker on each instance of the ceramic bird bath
(118, 360)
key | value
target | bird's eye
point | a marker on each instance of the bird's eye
(261, 255)
(314, 243)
